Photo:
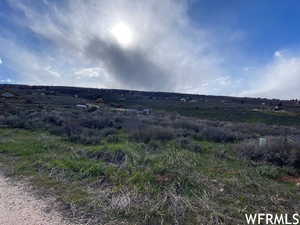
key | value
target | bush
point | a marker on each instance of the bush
(96, 123)
(15, 122)
(54, 119)
(116, 157)
(186, 124)
(270, 171)
(148, 133)
(153, 146)
(189, 145)
(278, 152)
(85, 136)
(113, 139)
(216, 135)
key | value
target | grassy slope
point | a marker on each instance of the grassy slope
(206, 107)
(173, 186)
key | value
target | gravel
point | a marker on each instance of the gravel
(19, 207)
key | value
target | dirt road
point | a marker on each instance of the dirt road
(19, 207)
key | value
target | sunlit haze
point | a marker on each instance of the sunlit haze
(123, 34)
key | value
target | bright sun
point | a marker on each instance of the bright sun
(123, 34)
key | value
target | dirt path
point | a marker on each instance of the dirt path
(19, 207)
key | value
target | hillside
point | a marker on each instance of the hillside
(269, 111)
(130, 157)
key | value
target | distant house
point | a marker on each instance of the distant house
(183, 100)
(82, 106)
(8, 95)
(125, 110)
(90, 106)
(277, 108)
(146, 111)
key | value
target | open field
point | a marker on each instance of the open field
(129, 159)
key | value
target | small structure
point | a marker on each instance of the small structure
(277, 108)
(82, 106)
(183, 100)
(146, 111)
(262, 142)
(8, 95)
(125, 110)
(93, 106)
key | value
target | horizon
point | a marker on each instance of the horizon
(235, 49)
(135, 90)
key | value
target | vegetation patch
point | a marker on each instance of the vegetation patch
(183, 181)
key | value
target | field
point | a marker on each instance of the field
(126, 157)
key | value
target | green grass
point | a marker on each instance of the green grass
(212, 110)
(169, 186)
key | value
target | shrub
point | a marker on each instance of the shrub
(153, 146)
(186, 124)
(113, 139)
(54, 119)
(270, 171)
(92, 109)
(148, 133)
(15, 122)
(108, 132)
(278, 152)
(216, 134)
(116, 157)
(95, 123)
(189, 145)
(85, 136)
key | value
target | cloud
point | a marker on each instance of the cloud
(168, 53)
(162, 51)
(278, 79)
(32, 68)
(132, 67)
(6, 81)
(1, 62)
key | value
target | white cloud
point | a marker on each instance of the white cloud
(166, 52)
(279, 79)
(6, 81)
(93, 72)
(52, 72)
(277, 54)
(163, 56)
(1, 62)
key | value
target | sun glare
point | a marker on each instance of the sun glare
(123, 34)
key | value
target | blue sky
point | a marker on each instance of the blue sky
(233, 47)
(268, 25)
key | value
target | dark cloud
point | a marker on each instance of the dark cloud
(131, 67)
(166, 53)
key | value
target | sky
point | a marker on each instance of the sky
(212, 47)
